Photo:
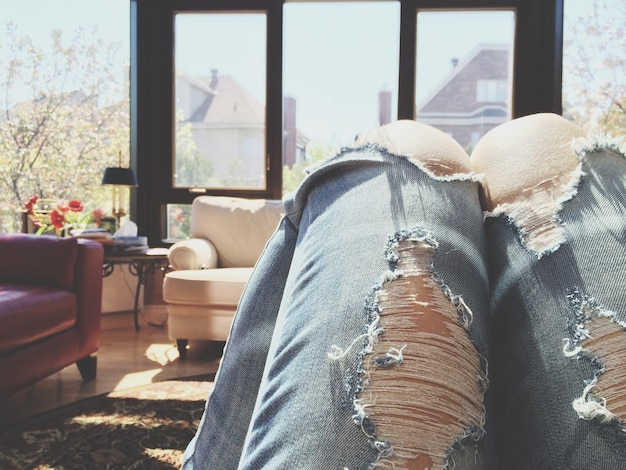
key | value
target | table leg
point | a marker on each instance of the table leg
(137, 292)
(138, 269)
(141, 268)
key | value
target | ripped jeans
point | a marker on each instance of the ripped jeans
(394, 322)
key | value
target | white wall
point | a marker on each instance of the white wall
(118, 291)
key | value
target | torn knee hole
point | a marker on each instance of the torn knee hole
(598, 335)
(423, 379)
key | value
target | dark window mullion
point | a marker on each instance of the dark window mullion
(406, 76)
(274, 100)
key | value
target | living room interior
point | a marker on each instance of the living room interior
(240, 114)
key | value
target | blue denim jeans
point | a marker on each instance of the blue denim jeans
(557, 329)
(387, 326)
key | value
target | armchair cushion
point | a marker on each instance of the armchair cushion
(208, 287)
(238, 228)
(43, 260)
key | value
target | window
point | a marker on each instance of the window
(332, 70)
(64, 102)
(214, 125)
(492, 91)
(594, 65)
(219, 112)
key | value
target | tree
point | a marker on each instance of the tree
(315, 153)
(192, 168)
(64, 118)
(594, 75)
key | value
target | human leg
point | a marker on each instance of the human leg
(556, 238)
(378, 352)
(219, 439)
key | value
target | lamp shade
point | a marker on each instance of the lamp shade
(119, 176)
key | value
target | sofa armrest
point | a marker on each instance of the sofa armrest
(88, 290)
(195, 253)
(41, 260)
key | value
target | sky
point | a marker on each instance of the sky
(337, 56)
(38, 17)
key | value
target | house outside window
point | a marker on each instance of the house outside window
(492, 91)
(464, 86)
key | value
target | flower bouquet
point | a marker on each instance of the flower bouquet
(59, 216)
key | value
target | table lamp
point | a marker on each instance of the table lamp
(119, 178)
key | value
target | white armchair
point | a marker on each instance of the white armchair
(212, 268)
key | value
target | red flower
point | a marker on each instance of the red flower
(49, 214)
(75, 206)
(29, 205)
(97, 215)
(57, 218)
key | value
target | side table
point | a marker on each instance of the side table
(140, 265)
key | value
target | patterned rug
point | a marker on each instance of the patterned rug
(144, 427)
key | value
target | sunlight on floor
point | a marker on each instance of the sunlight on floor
(131, 380)
(162, 353)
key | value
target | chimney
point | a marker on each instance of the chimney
(214, 79)
(455, 62)
(384, 106)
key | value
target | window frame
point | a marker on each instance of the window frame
(152, 106)
(537, 72)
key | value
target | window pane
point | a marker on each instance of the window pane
(64, 114)
(464, 70)
(594, 64)
(178, 221)
(220, 61)
(340, 76)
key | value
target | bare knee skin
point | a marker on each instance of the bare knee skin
(435, 152)
(516, 157)
(529, 168)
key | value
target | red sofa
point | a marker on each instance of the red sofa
(50, 307)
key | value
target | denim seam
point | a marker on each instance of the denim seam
(367, 154)
(376, 148)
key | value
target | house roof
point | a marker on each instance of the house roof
(456, 92)
(230, 104)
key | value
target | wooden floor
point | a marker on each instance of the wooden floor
(126, 358)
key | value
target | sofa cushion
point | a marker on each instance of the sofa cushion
(215, 287)
(239, 228)
(28, 314)
(34, 259)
